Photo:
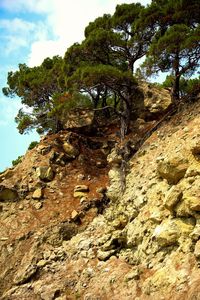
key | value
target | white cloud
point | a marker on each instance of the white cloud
(38, 6)
(62, 25)
(67, 20)
(45, 48)
(18, 33)
(9, 109)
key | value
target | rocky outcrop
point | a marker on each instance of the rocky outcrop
(136, 237)
(156, 99)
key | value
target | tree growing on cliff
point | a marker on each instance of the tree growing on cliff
(102, 66)
(176, 44)
(36, 87)
(177, 51)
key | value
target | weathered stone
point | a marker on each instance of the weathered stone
(195, 148)
(197, 249)
(195, 234)
(135, 274)
(43, 149)
(70, 150)
(41, 263)
(37, 205)
(74, 215)
(25, 274)
(193, 203)
(79, 119)
(173, 169)
(38, 194)
(45, 173)
(114, 190)
(79, 195)
(104, 255)
(170, 231)
(182, 209)
(81, 188)
(114, 158)
(8, 194)
(193, 170)
(6, 174)
(172, 197)
(155, 100)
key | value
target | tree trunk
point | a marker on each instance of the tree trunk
(176, 85)
(176, 89)
(125, 120)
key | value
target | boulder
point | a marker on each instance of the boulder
(173, 169)
(182, 209)
(70, 150)
(81, 188)
(155, 99)
(6, 174)
(114, 158)
(74, 215)
(78, 119)
(169, 232)
(81, 191)
(193, 203)
(37, 194)
(8, 194)
(172, 197)
(45, 173)
(197, 249)
(195, 148)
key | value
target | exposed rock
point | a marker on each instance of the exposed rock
(193, 203)
(143, 245)
(37, 205)
(44, 149)
(81, 188)
(197, 249)
(45, 173)
(70, 150)
(155, 99)
(81, 191)
(114, 158)
(79, 119)
(38, 194)
(169, 231)
(74, 215)
(172, 197)
(182, 209)
(196, 148)
(7, 174)
(115, 188)
(104, 255)
(173, 169)
(8, 194)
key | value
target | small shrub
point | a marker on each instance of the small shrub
(32, 145)
(17, 161)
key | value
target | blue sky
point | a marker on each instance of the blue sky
(31, 30)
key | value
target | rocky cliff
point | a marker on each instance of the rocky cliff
(84, 216)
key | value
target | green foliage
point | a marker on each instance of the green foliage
(32, 145)
(17, 161)
(189, 88)
(98, 73)
(175, 47)
(64, 104)
(36, 87)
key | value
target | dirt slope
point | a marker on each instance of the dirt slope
(64, 236)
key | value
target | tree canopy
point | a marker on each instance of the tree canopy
(99, 72)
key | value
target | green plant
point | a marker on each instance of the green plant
(17, 161)
(32, 145)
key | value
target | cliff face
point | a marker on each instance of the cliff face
(84, 218)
